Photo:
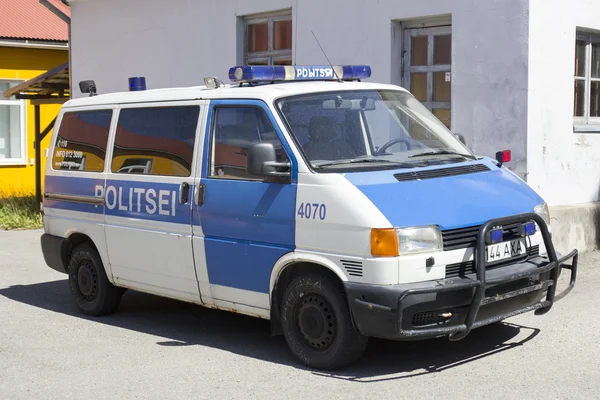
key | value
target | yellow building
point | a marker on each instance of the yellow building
(33, 40)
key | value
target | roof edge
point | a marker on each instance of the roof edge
(31, 44)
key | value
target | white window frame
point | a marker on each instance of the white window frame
(586, 123)
(271, 54)
(23, 125)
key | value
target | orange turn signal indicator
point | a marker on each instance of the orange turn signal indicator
(384, 242)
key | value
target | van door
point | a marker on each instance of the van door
(148, 198)
(242, 225)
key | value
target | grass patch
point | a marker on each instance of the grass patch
(20, 212)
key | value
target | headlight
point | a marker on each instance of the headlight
(419, 239)
(543, 211)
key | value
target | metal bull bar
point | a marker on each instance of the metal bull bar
(458, 332)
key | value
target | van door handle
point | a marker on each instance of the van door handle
(184, 193)
(201, 189)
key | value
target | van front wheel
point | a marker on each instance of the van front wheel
(317, 326)
(92, 292)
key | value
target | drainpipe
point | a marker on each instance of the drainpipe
(56, 11)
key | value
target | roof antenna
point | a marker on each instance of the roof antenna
(335, 73)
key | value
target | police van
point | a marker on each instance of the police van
(336, 208)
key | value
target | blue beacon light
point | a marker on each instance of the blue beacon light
(270, 73)
(137, 83)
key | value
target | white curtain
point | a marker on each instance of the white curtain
(10, 125)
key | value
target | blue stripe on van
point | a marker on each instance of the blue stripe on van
(73, 186)
(131, 199)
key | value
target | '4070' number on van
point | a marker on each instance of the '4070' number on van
(312, 211)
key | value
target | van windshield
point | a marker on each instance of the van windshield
(368, 128)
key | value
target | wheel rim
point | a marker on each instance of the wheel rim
(87, 280)
(316, 322)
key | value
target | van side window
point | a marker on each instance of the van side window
(155, 140)
(81, 141)
(233, 131)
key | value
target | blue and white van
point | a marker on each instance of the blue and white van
(335, 208)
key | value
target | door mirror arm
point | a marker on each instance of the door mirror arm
(270, 168)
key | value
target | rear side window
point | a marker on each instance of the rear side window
(155, 141)
(81, 141)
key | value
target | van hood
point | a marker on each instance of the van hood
(451, 201)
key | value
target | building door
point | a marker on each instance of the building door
(427, 68)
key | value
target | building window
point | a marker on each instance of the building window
(13, 133)
(586, 109)
(268, 40)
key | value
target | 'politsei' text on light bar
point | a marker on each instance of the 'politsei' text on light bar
(269, 73)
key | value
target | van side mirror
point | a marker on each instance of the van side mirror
(262, 161)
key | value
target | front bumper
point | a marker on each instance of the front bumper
(455, 306)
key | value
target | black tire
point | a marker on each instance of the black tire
(317, 326)
(92, 292)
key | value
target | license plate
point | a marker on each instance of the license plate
(505, 250)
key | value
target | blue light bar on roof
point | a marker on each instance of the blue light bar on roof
(269, 73)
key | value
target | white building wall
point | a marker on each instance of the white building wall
(562, 165)
(171, 43)
(179, 42)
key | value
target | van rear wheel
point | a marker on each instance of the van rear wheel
(317, 326)
(92, 292)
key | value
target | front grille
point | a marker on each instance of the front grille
(459, 270)
(440, 173)
(462, 238)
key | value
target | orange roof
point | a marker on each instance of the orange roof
(30, 20)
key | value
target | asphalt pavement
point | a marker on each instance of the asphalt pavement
(155, 348)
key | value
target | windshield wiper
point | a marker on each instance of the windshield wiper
(367, 160)
(444, 152)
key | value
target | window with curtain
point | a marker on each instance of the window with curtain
(12, 127)
(586, 110)
(268, 39)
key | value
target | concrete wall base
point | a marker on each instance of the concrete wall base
(576, 227)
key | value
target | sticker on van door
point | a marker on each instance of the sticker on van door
(146, 200)
(154, 201)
